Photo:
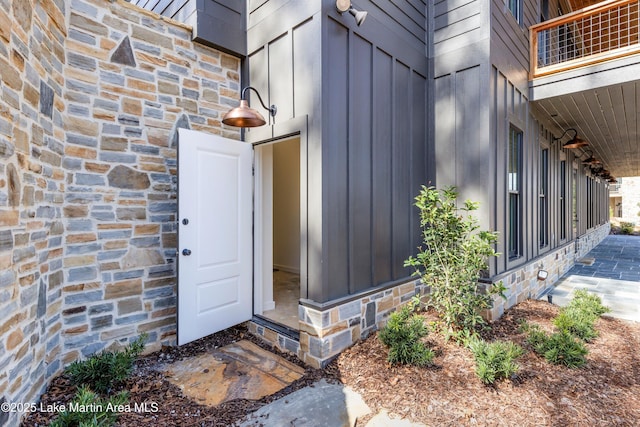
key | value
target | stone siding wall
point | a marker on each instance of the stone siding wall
(91, 95)
(324, 334)
(591, 239)
(522, 283)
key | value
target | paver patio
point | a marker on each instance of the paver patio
(612, 271)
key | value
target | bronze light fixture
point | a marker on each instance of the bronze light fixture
(575, 142)
(590, 160)
(245, 116)
(343, 6)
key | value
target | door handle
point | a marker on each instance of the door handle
(186, 252)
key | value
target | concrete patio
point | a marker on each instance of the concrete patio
(612, 271)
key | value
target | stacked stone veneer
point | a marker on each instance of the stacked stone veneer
(324, 334)
(90, 97)
(522, 282)
(591, 239)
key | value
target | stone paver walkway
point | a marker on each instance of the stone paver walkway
(612, 271)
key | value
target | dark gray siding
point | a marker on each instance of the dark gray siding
(375, 150)
(456, 24)
(222, 24)
(284, 65)
(364, 91)
(217, 23)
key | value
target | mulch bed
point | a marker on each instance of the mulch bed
(606, 391)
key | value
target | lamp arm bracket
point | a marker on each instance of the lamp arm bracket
(272, 110)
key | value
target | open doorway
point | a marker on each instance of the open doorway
(277, 185)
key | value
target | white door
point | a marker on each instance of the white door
(214, 234)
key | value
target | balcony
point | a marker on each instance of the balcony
(598, 33)
(585, 74)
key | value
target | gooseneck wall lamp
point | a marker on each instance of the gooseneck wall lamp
(343, 6)
(590, 160)
(575, 142)
(244, 116)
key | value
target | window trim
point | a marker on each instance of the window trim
(517, 14)
(543, 199)
(515, 247)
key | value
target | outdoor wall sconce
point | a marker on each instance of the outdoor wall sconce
(245, 116)
(543, 274)
(343, 6)
(575, 142)
(590, 160)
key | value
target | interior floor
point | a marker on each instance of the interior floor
(286, 294)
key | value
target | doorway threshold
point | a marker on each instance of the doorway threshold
(281, 329)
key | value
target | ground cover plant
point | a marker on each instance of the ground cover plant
(105, 370)
(403, 335)
(451, 260)
(575, 325)
(96, 403)
(495, 360)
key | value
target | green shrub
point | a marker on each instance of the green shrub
(454, 255)
(495, 360)
(559, 348)
(627, 227)
(577, 323)
(402, 334)
(588, 303)
(580, 315)
(87, 409)
(103, 371)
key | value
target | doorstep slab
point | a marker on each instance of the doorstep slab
(240, 370)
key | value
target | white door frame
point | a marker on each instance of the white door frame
(263, 224)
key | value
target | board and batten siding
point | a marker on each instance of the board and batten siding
(456, 24)
(375, 154)
(364, 93)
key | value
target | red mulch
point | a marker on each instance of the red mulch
(604, 392)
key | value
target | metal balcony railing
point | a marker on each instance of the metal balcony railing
(597, 33)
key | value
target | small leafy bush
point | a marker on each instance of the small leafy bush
(577, 323)
(495, 360)
(87, 409)
(627, 227)
(580, 315)
(559, 348)
(402, 334)
(103, 371)
(588, 303)
(453, 257)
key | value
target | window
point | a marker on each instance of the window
(515, 6)
(563, 198)
(544, 198)
(514, 180)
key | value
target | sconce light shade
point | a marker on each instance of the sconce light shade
(575, 142)
(591, 160)
(360, 15)
(244, 116)
(343, 6)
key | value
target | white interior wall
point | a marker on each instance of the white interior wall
(286, 205)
